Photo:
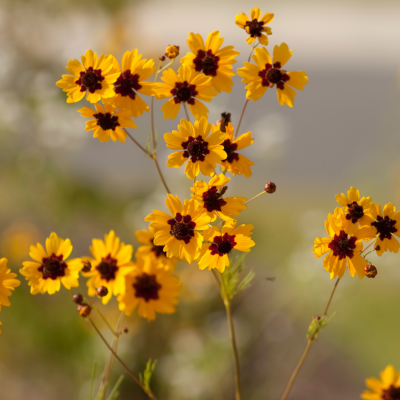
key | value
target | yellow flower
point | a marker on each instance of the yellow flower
(210, 197)
(211, 60)
(50, 268)
(172, 51)
(151, 289)
(387, 388)
(155, 253)
(215, 253)
(93, 76)
(197, 146)
(188, 86)
(111, 262)
(178, 234)
(385, 227)
(236, 163)
(342, 247)
(255, 26)
(107, 123)
(130, 83)
(266, 73)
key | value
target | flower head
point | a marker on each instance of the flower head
(149, 288)
(268, 73)
(342, 247)
(236, 163)
(255, 26)
(387, 388)
(212, 60)
(107, 123)
(93, 77)
(129, 83)
(197, 146)
(179, 233)
(188, 86)
(110, 263)
(210, 196)
(149, 249)
(50, 267)
(172, 51)
(214, 254)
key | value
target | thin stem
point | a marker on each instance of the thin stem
(216, 278)
(132, 375)
(259, 194)
(330, 299)
(252, 49)
(368, 247)
(105, 320)
(137, 143)
(241, 117)
(186, 112)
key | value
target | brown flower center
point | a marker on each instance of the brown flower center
(342, 245)
(385, 227)
(212, 199)
(196, 148)
(53, 267)
(182, 227)
(354, 212)
(90, 80)
(127, 84)
(393, 393)
(254, 28)
(222, 244)
(206, 62)
(107, 121)
(157, 250)
(184, 92)
(229, 149)
(273, 75)
(107, 268)
(147, 287)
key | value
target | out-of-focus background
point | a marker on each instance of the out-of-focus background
(342, 131)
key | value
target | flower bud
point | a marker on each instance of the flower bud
(102, 291)
(370, 271)
(224, 121)
(172, 51)
(77, 298)
(270, 187)
(377, 247)
(84, 310)
(87, 266)
(125, 330)
(162, 58)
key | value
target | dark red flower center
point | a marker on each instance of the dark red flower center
(107, 268)
(127, 84)
(53, 267)
(385, 227)
(182, 227)
(157, 250)
(147, 287)
(222, 244)
(196, 148)
(272, 75)
(212, 199)
(354, 212)
(107, 121)
(184, 92)
(342, 245)
(229, 149)
(255, 27)
(90, 80)
(393, 393)
(206, 62)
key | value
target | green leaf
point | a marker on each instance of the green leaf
(231, 277)
(317, 324)
(114, 392)
(92, 380)
(147, 373)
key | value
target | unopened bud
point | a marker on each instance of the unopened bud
(87, 266)
(224, 121)
(102, 291)
(84, 310)
(370, 271)
(270, 187)
(172, 51)
(77, 298)
(162, 58)
(125, 330)
(377, 247)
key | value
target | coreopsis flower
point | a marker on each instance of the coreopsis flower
(197, 146)
(110, 263)
(93, 77)
(385, 227)
(215, 253)
(356, 210)
(50, 267)
(188, 86)
(212, 60)
(210, 196)
(266, 73)
(130, 83)
(236, 163)
(255, 26)
(150, 289)
(179, 233)
(387, 388)
(172, 51)
(342, 247)
(149, 249)
(107, 123)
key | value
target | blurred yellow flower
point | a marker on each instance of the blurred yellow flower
(150, 289)
(50, 268)
(112, 261)
(387, 388)
(210, 197)
(7, 283)
(255, 26)
(266, 73)
(211, 60)
(188, 86)
(107, 123)
(93, 77)
(172, 51)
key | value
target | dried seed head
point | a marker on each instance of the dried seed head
(370, 271)
(172, 51)
(84, 310)
(102, 291)
(224, 121)
(87, 266)
(162, 58)
(77, 298)
(270, 187)
(377, 247)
